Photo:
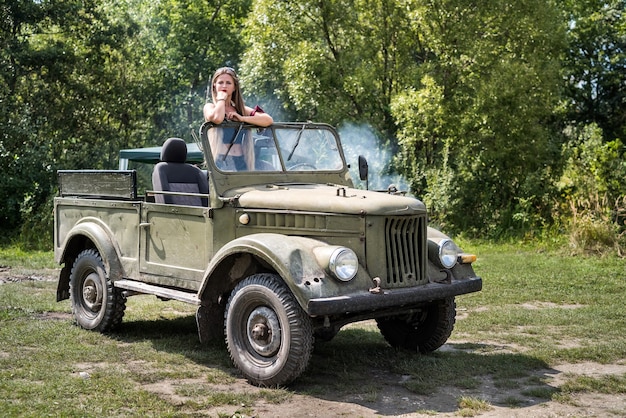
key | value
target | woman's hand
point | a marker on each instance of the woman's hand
(259, 119)
(235, 117)
(221, 96)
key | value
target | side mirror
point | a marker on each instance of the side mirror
(363, 168)
(363, 171)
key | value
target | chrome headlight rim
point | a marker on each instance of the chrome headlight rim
(448, 253)
(343, 264)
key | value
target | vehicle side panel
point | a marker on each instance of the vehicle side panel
(175, 244)
(119, 220)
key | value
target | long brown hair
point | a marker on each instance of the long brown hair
(240, 107)
(237, 98)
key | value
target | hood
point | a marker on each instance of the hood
(326, 198)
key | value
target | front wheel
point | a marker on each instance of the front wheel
(423, 331)
(96, 303)
(269, 336)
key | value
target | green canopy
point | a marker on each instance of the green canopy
(153, 155)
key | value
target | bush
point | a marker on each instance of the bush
(594, 193)
(597, 225)
(37, 229)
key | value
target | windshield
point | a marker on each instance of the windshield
(237, 147)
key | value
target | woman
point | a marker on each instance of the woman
(230, 152)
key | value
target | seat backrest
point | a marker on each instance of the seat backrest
(172, 174)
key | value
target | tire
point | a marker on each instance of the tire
(96, 304)
(268, 335)
(423, 331)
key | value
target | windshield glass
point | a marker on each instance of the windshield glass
(281, 147)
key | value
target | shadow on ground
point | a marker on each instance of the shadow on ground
(358, 368)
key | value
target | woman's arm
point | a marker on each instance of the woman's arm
(215, 112)
(253, 117)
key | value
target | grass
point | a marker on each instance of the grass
(604, 384)
(539, 308)
(470, 407)
(20, 259)
(560, 308)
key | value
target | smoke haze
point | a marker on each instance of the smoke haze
(361, 140)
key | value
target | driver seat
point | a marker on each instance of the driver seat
(173, 174)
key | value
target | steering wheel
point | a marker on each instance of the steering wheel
(300, 165)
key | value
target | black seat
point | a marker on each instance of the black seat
(172, 174)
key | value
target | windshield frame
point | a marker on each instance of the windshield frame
(289, 144)
(226, 185)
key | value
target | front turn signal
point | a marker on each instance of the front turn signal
(466, 258)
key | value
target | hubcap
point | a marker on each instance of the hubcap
(264, 332)
(92, 296)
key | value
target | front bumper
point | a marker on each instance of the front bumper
(390, 298)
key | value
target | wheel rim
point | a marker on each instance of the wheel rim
(92, 293)
(263, 331)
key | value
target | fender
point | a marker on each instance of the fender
(435, 235)
(462, 270)
(95, 231)
(293, 258)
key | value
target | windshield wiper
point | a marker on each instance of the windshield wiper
(232, 142)
(297, 143)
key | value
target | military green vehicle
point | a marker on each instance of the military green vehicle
(276, 253)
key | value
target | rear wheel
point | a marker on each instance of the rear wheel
(96, 303)
(423, 331)
(269, 336)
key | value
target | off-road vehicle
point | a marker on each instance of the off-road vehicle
(274, 257)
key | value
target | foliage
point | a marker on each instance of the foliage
(331, 61)
(596, 65)
(593, 191)
(475, 130)
(465, 92)
(60, 99)
(592, 187)
(483, 104)
(80, 80)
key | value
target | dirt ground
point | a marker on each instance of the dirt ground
(393, 399)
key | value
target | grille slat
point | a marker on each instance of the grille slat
(405, 252)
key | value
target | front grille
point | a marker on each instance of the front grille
(405, 247)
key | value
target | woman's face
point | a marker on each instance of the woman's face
(226, 83)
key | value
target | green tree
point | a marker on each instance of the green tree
(79, 80)
(494, 69)
(465, 94)
(330, 60)
(596, 65)
(187, 40)
(464, 91)
(592, 189)
(50, 74)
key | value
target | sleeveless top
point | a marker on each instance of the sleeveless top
(228, 135)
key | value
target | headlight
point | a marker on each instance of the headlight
(448, 253)
(343, 264)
